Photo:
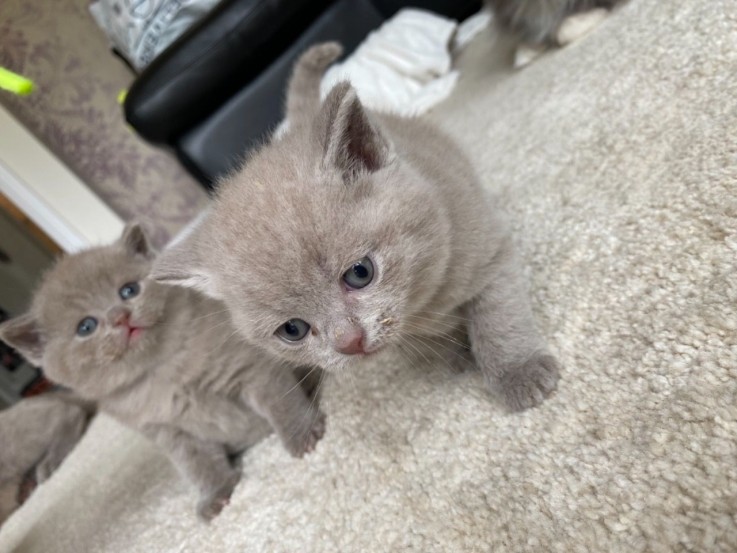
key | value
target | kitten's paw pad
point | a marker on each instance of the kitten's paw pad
(212, 504)
(321, 55)
(529, 384)
(526, 54)
(580, 24)
(306, 440)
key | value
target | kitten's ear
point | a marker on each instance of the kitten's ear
(180, 265)
(352, 143)
(24, 334)
(135, 242)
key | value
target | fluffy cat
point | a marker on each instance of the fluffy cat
(542, 23)
(36, 435)
(357, 231)
(163, 360)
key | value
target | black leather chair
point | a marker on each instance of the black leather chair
(218, 90)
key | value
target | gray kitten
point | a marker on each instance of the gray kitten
(539, 24)
(538, 21)
(36, 434)
(163, 360)
(356, 232)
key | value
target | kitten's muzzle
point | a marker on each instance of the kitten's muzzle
(350, 340)
(121, 317)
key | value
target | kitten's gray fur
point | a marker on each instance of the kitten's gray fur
(36, 434)
(344, 183)
(186, 380)
(537, 21)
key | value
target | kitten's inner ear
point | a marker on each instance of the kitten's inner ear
(135, 242)
(24, 334)
(180, 265)
(352, 144)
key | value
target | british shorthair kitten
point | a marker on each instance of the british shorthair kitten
(539, 24)
(163, 360)
(356, 232)
(37, 434)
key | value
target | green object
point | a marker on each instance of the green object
(15, 83)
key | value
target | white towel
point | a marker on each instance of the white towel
(404, 67)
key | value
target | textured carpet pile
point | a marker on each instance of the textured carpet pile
(617, 159)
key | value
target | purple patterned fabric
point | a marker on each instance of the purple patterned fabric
(74, 111)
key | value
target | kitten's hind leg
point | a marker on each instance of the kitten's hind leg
(205, 464)
(510, 352)
(65, 439)
(276, 394)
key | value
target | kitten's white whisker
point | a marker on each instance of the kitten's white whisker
(441, 345)
(218, 325)
(405, 339)
(299, 383)
(313, 411)
(443, 359)
(448, 315)
(210, 315)
(439, 334)
(209, 353)
(429, 365)
(407, 355)
(450, 325)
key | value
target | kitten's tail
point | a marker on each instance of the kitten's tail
(303, 92)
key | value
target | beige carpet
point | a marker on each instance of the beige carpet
(618, 157)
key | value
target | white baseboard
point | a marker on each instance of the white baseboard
(49, 193)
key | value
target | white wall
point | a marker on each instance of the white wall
(49, 193)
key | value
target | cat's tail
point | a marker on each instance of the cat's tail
(303, 92)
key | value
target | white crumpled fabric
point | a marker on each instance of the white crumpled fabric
(405, 66)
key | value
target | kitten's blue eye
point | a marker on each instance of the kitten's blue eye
(360, 274)
(129, 290)
(86, 326)
(293, 330)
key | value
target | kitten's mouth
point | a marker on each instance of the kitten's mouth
(135, 333)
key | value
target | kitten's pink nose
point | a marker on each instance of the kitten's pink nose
(119, 316)
(349, 341)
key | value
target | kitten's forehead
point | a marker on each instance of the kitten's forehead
(296, 217)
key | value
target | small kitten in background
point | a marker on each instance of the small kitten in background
(163, 360)
(358, 231)
(36, 435)
(539, 24)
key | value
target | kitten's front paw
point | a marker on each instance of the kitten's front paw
(529, 384)
(210, 505)
(306, 438)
